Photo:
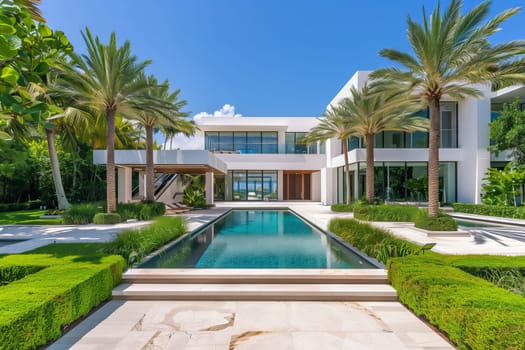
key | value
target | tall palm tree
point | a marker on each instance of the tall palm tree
(169, 116)
(452, 52)
(334, 125)
(370, 112)
(110, 80)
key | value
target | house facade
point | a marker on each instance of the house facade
(264, 158)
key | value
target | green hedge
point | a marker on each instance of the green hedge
(442, 223)
(393, 212)
(35, 308)
(375, 242)
(135, 244)
(141, 210)
(474, 313)
(107, 218)
(20, 206)
(490, 210)
(343, 207)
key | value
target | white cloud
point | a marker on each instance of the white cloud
(226, 111)
(197, 142)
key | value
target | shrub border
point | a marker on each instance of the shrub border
(35, 308)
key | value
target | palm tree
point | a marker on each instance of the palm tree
(370, 112)
(452, 52)
(110, 80)
(169, 117)
(334, 125)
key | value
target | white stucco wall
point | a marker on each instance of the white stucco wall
(315, 183)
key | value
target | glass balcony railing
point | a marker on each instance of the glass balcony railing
(265, 149)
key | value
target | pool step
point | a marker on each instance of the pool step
(259, 292)
(249, 276)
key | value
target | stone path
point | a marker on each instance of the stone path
(253, 325)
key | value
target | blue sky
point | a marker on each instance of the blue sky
(265, 57)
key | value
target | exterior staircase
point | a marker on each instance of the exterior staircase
(256, 284)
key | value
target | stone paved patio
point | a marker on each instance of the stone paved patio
(254, 325)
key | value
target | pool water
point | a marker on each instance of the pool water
(471, 223)
(259, 239)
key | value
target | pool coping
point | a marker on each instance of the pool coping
(377, 264)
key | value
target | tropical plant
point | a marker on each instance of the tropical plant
(501, 187)
(334, 125)
(108, 80)
(507, 132)
(368, 113)
(451, 53)
(170, 116)
(26, 50)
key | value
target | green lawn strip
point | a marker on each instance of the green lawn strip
(35, 307)
(66, 249)
(27, 217)
(444, 289)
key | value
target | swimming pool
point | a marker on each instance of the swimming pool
(259, 239)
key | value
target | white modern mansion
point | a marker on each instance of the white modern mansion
(263, 158)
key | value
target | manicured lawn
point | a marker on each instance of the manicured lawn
(66, 249)
(27, 217)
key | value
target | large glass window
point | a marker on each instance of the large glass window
(395, 181)
(254, 185)
(241, 141)
(448, 125)
(269, 184)
(417, 181)
(447, 182)
(394, 139)
(239, 185)
(211, 141)
(401, 181)
(226, 141)
(269, 142)
(295, 143)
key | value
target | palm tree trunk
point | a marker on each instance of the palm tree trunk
(110, 161)
(369, 139)
(55, 170)
(433, 158)
(150, 194)
(347, 171)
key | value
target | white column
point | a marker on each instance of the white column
(124, 185)
(280, 185)
(209, 188)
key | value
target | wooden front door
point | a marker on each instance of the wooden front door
(296, 186)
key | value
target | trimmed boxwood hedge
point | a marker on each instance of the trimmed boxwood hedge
(474, 313)
(107, 218)
(442, 223)
(490, 210)
(390, 212)
(35, 308)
